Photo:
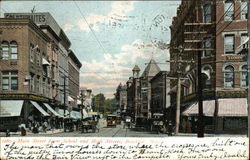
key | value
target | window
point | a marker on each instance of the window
(207, 44)
(229, 76)
(38, 84)
(229, 11)
(229, 44)
(38, 58)
(9, 80)
(32, 84)
(243, 10)
(31, 53)
(13, 50)
(243, 38)
(207, 69)
(244, 76)
(5, 50)
(207, 13)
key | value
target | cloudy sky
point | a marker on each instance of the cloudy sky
(109, 37)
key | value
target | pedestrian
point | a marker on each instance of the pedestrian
(170, 128)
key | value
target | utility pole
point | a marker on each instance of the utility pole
(200, 98)
(64, 95)
(179, 61)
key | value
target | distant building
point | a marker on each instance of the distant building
(74, 71)
(145, 88)
(160, 87)
(121, 98)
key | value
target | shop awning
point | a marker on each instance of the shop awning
(208, 109)
(35, 104)
(84, 113)
(70, 98)
(232, 107)
(10, 108)
(75, 115)
(45, 62)
(61, 112)
(52, 110)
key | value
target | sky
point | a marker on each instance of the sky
(109, 37)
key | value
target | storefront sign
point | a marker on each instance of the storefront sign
(24, 96)
(37, 18)
(234, 57)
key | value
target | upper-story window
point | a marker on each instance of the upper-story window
(243, 9)
(229, 10)
(229, 76)
(244, 76)
(207, 69)
(13, 50)
(5, 50)
(207, 46)
(32, 82)
(229, 44)
(207, 13)
(9, 80)
(38, 57)
(243, 38)
(31, 53)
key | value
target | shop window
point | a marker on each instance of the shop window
(244, 76)
(229, 44)
(9, 80)
(229, 76)
(229, 10)
(13, 50)
(243, 9)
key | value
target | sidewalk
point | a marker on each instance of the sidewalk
(15, 134)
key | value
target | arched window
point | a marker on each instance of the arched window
(244, 76)
(229, 76)
(13, 50)
(207, 69)
(5, 50)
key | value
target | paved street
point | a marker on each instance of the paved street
(118, 131)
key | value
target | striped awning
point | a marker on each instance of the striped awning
(232, 107)
(208, 109)
(52, 110)
(38, 107)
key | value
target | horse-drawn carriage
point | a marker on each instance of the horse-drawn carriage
(88, 124)
(157, 123)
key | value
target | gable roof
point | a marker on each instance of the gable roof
(151, 70)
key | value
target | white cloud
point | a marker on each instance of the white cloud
(117, 68)
(119, 9)
(67, 27)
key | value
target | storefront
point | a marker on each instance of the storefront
(227, 115)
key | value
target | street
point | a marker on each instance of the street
(118, 131)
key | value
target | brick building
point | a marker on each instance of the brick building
(214, 29)
(160, 87)
(74, 68)
(24, 78)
